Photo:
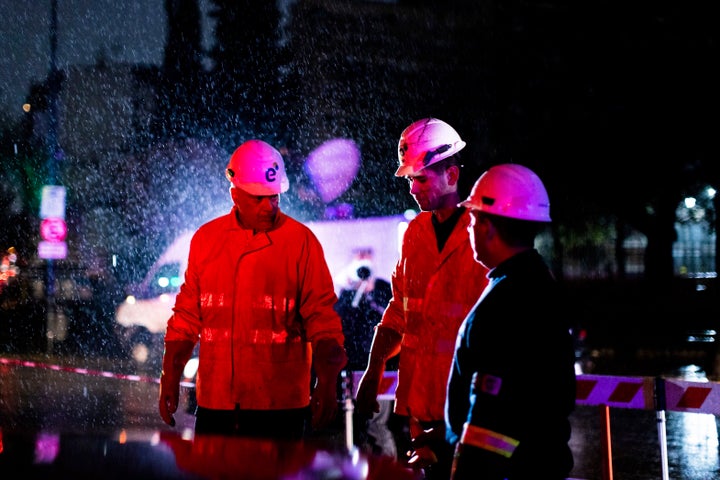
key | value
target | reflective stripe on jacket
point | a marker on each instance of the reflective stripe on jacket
(258, 303)
(432, 293)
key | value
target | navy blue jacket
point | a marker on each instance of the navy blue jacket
(513, 377)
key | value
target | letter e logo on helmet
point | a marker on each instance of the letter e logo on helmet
(271, 173)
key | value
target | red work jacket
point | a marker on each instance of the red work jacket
(258, 304)
(432, 293)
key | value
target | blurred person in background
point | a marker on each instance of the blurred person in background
(506, 421)
(361, 303)
(434, 285)
(259, 298)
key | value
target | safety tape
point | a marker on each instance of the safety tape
(624, 392)
(85, 371)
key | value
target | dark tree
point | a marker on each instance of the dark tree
(246, 77)
(182, 107)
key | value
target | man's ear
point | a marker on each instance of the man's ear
(453, 174)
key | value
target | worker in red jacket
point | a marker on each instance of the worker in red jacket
(434, 285)
(259, 298)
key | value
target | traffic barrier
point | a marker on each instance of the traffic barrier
(692, 397)
(624, 392)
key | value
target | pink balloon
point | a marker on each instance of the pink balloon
(332, 167)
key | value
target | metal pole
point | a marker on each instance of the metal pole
(660, 406)
(52, 159)
(607, 468)
(349, 409)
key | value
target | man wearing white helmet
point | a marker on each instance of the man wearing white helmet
(507, 419)
(434, 285)
(258, 297)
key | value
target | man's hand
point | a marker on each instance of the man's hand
(329, 358)
(169, 397)
(423, 443)
(366, 402)
(386, 344)
(323, 404)
(176, 355)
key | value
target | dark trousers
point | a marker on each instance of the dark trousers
(288, 424)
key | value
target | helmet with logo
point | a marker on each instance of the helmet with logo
(425, 142)
(258, 169)
(510, 190)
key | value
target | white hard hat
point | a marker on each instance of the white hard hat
(258, 169)
(425, 142)
(510, 190)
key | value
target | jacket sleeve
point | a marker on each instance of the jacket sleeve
(317, 295)
(185, 323)
(394, 315)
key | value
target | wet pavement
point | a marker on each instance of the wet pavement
(82, 419)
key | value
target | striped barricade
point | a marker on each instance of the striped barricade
(692, 397)
(624, 392)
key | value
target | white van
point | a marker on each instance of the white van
(141, 319)
(349, 243)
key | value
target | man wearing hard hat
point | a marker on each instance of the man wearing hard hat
(434, 285)
(508, 418)
(258, 297)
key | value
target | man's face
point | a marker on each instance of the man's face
(477, 231)
(257, 212)
(431, 189)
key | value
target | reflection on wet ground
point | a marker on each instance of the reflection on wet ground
(69, 423)
(167, 455)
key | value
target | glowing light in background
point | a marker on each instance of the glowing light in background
(332, 167)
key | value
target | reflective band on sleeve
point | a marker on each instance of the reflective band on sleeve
(488, 440)
(412, 304)
(449, 309)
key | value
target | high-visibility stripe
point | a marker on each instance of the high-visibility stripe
(488, 440)
(267, 337)
(412, 304)
(450, 309)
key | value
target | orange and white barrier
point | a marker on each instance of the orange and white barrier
(624, 392)
(692, 397)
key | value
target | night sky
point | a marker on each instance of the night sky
(130, 31)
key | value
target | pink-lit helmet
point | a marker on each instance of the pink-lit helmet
(510, 190)
(425, 142)
(258, 169)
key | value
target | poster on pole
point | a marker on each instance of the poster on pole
(52, 204)
(52, 250)
(53, 229)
